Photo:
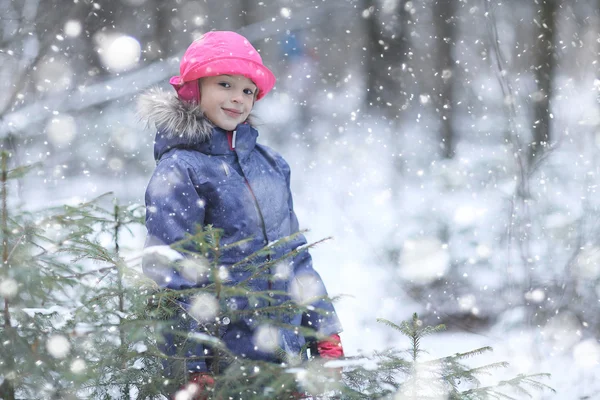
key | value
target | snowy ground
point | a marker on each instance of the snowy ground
(349, 265)
(344, 190)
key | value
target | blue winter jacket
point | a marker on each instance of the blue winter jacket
(206, 176)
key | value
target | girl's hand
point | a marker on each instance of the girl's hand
(331, 349)
(198, 387)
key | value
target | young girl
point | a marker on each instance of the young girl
(211, 171)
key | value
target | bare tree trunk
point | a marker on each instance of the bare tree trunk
(162, 30)
(7, 389)
(444, 14)
(401, 48)
(246, 12)
(98, 20)
(385, 57)
(597, 72)
(545, 65)
(372, 47)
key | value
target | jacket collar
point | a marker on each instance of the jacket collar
(183, 125)
(243, 141)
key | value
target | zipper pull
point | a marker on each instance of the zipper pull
(233, 139)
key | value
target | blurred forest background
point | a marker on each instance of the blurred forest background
(451, 147)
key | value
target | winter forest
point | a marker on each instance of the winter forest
(445, 159)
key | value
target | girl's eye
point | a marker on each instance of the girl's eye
(249, 92)
(225, 84)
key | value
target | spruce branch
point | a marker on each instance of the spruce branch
(5, 231)
(265, 251)
(265, 267)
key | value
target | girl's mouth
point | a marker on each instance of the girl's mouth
(232, 113)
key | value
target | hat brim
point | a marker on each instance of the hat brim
(262, 77)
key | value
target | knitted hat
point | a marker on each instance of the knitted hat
(218, 53)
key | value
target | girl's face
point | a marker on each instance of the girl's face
(227, 100)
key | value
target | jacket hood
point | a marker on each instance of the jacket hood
(175, 118)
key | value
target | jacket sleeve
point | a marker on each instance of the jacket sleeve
(306, 284)
(174, 210)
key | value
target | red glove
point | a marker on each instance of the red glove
(331, 349)
(197, 387)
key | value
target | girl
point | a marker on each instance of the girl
(211, 171)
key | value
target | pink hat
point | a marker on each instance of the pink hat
(218, 53)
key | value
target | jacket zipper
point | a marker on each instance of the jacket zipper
(231, 136)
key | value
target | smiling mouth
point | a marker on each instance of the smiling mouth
(231, 112)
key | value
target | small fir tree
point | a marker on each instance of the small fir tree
(39, 281)
(211, 310)
(390, 375)
(71, 326)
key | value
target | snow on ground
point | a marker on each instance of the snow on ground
(350, 265)
(343, 188)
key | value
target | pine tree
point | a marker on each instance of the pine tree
(39, 285)
(390, 375)
(117, 335)
(70, 327)
(235, 376)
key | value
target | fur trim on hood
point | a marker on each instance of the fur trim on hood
(175, 118)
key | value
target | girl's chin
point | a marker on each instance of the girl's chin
(227, 126)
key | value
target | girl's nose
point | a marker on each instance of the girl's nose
(237, 97)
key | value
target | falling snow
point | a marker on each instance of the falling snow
(58, 346)
(78, 366)
(61, 130)
(204, 307)
(476, 234)
(73, 28)
(424, 260)
(8, 288)
(119, 53)
(266, 338)
(305, 289)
